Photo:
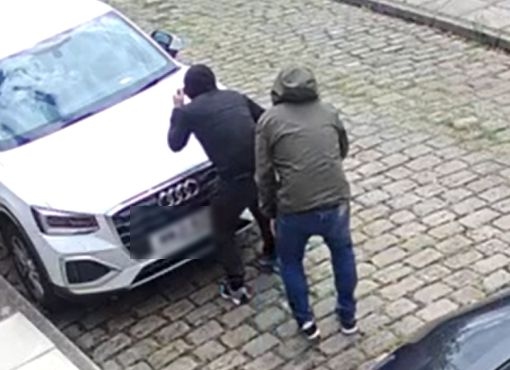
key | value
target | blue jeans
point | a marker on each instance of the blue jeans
(292, 234)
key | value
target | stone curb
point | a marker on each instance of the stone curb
(11, 301)
(470, 30)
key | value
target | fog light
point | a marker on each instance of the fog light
(79, 272)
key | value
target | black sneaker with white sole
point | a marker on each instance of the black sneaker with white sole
(349, 327)
(311, 330)
(238, 296)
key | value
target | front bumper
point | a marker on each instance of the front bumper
(119, 270)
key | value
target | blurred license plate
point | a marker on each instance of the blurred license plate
(182, 233)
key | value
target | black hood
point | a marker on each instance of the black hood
(199, 79)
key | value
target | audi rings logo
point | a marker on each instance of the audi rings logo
(179, 194)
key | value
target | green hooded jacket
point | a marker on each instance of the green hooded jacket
(300, 146)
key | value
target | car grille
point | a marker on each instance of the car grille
(137, 221)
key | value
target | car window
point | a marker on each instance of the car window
(72, 75)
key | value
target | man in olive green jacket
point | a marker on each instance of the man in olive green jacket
(300, 146)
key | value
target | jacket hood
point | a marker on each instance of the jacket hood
(294, 85)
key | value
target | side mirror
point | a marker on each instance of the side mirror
(171, 43)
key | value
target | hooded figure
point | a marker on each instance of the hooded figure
(300, 146)
(224, 123)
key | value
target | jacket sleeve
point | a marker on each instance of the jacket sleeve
(265, 174)
(342, 137)
(179, 131)
(255, 109)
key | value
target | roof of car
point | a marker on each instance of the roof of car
(23, 23)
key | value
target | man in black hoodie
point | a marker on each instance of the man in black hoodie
(224, 123)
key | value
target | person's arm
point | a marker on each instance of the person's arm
(342, 137)
(265, 174)
(179, 132)
(255, 109)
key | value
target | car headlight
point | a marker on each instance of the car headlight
(54, 222)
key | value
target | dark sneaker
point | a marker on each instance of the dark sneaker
(311, 330)
(268, 264)
(349, 327)
(237, 297)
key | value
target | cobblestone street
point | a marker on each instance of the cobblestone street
(427, 114)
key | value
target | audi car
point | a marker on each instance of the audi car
(476, 338)
(92, 200)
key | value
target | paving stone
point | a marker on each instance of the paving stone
(335, 344)
(228, 361)
(150, 306)
(369, 305)
(503, 223)
(437, 310)
(432, 292)
(446, 230)
(497, 280)
(171, 332)
(392, 273)
(467, 296)
(203, 313)
(402, 217)
(183, 363)
(424, 258)
(463, 260)
(293, 348)
(205, 332)
(432, 273)
(111, 347)
(139, 366)
(268, 361)
(403, 287)
(379, 342)
(388, 256)
(400, 308)
(147, 326)
(269, 318)
(381, 243)
(92, 338)
(495, 194)
(418, 243)
(348, 360)
(407, 326)
(168, 353)
(438, 218)
(378, 227)
(178, 310)
(237, 316)
(491, 264)
(209, 351)
(239, 336)
(468, 206)
(137, 352)
(260, 345)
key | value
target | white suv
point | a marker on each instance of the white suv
(91, 198)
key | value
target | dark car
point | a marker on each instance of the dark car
(476, 338)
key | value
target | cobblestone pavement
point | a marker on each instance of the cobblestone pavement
(487, 21)
(430, 168)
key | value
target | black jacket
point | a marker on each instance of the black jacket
(224, 123)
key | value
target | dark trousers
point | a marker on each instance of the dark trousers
(293, 232)
(230, 200)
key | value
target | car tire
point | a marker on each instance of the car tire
(30, 270)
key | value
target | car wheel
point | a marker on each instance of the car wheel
(29, 269)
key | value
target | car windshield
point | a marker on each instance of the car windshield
(72, 75)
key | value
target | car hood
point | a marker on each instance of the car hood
(476, 338)
(99, 162)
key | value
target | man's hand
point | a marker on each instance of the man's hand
(179, 99)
